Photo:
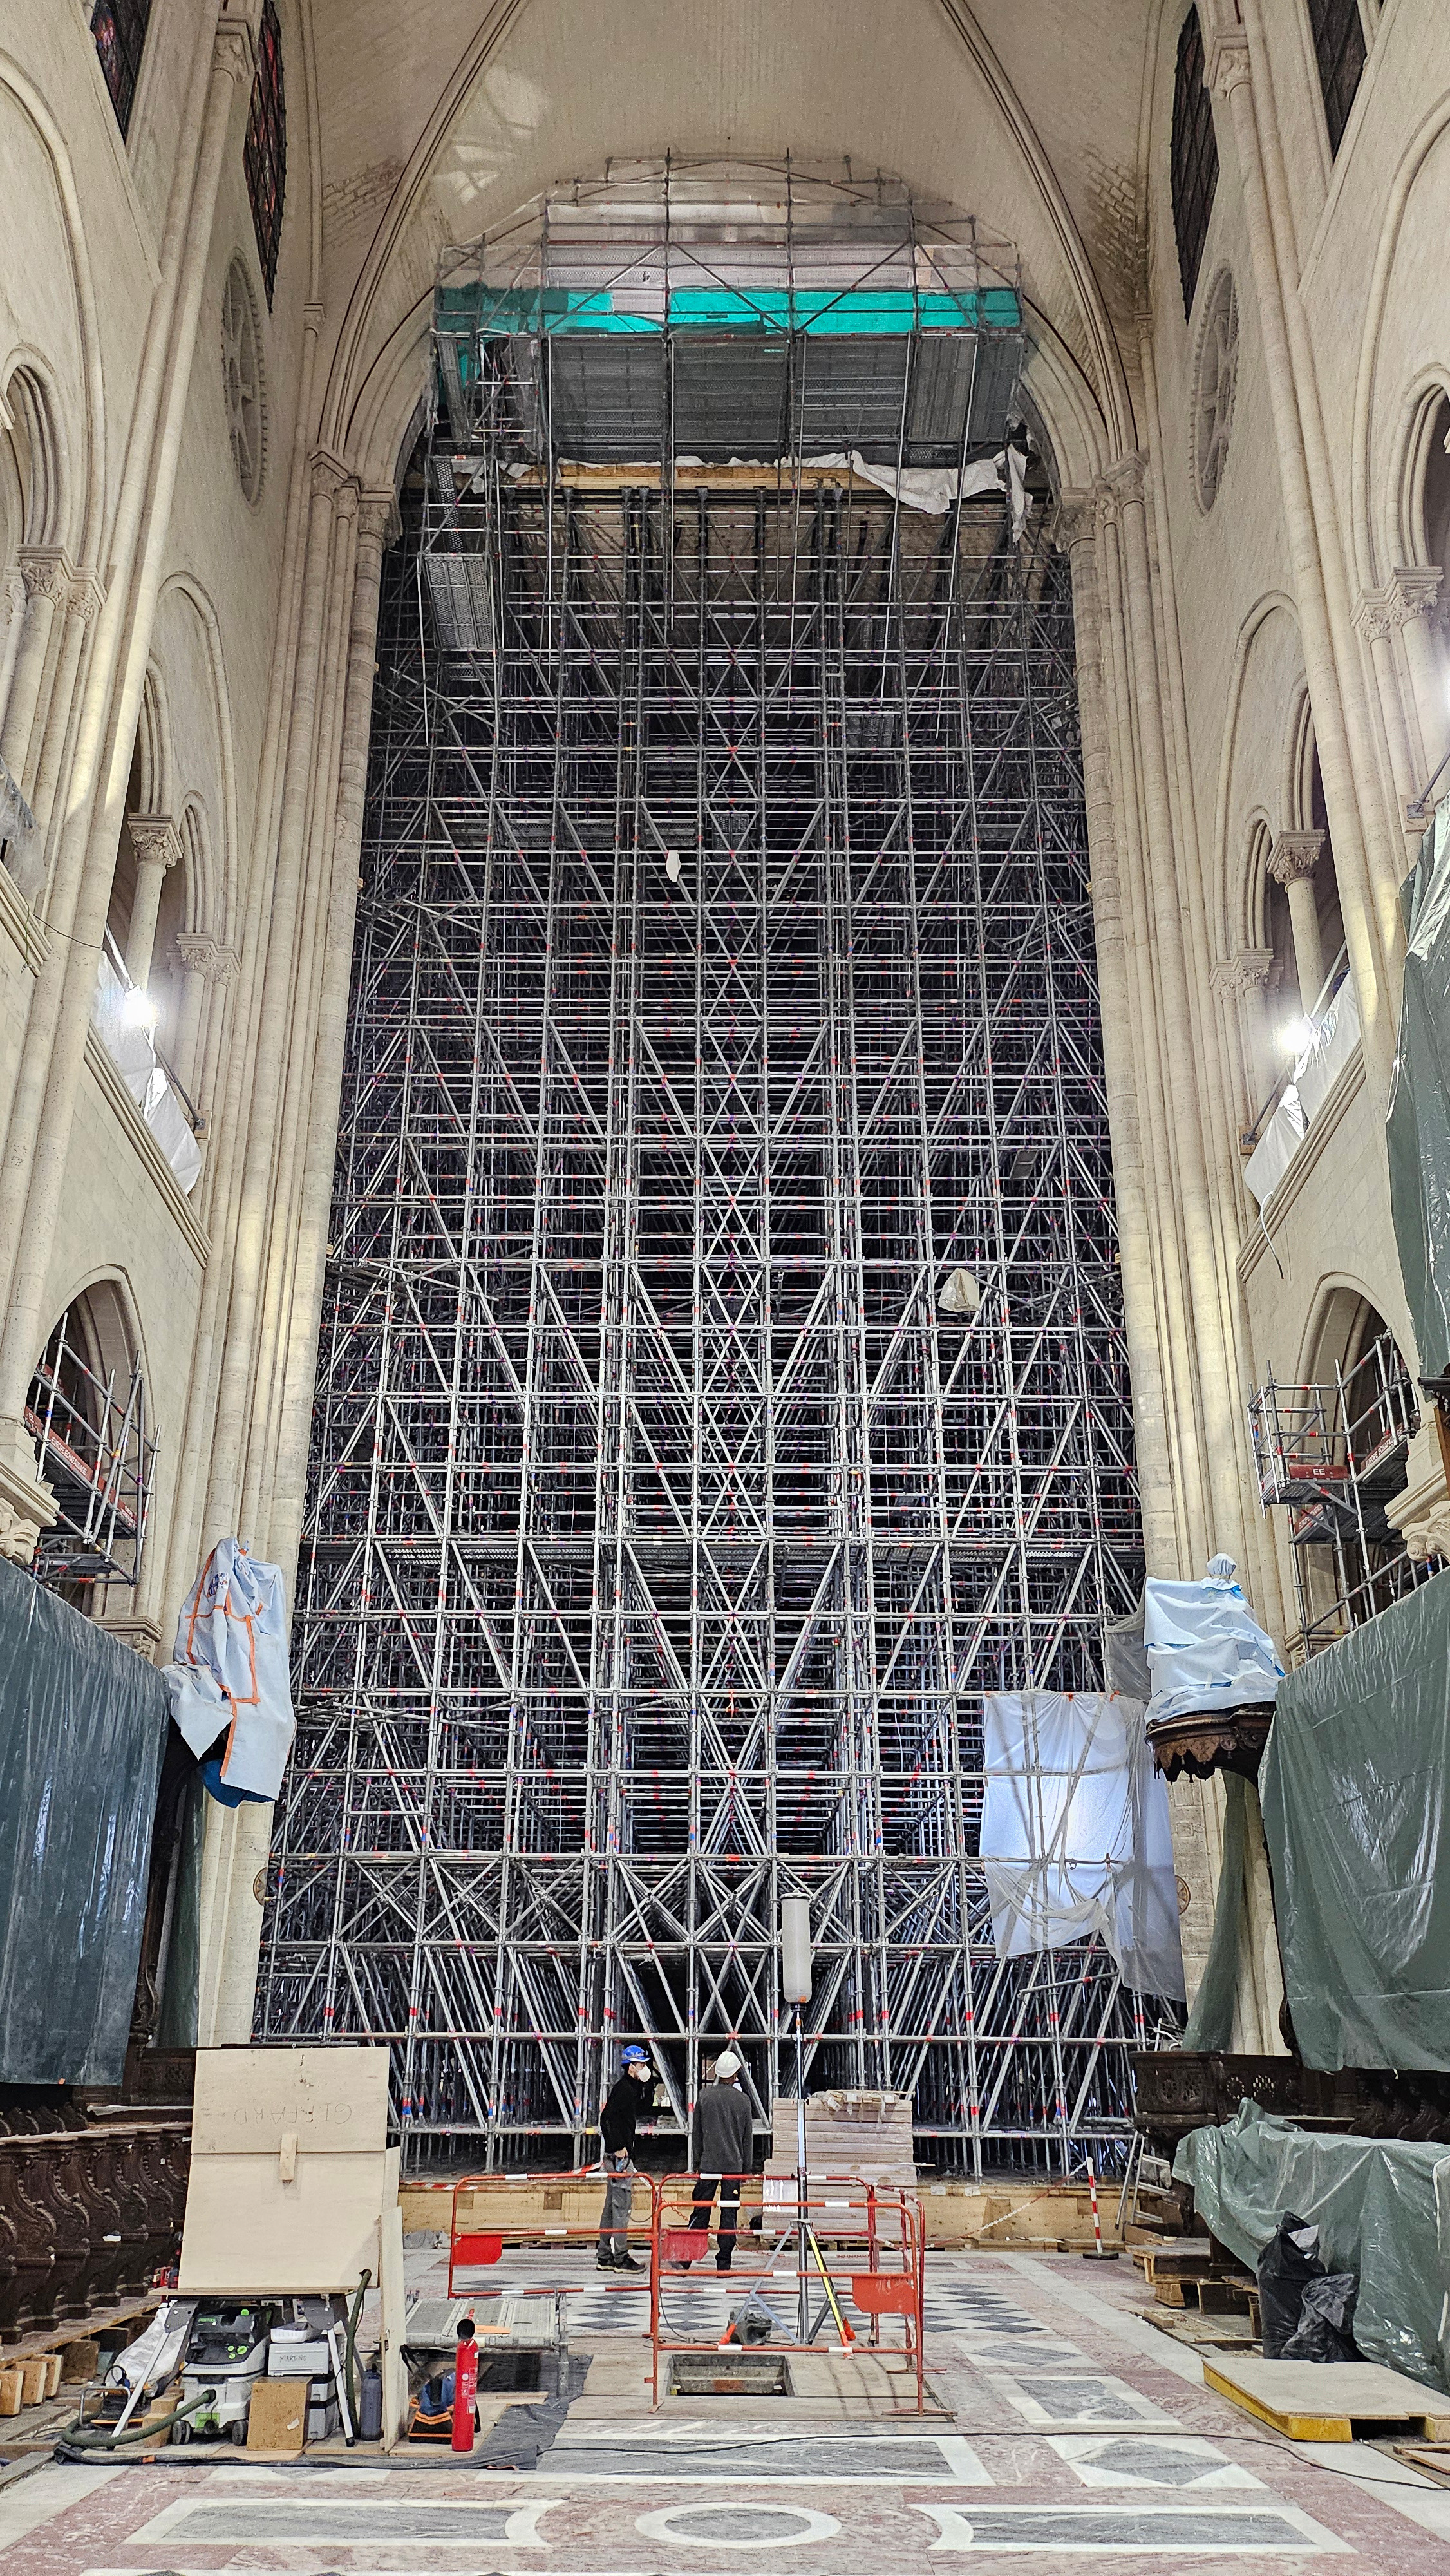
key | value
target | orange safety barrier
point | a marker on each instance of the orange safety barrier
(802, 2259)
(472, 2249)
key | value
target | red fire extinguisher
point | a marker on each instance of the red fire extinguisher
(465, 2386)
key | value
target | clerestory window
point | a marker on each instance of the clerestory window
(266, 152)
(119, 28)
(1193, 156)
(1338, 33)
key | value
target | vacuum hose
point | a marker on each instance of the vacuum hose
(81, 2436)
(349, 2356)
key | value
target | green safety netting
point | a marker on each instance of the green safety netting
(1417, 1131)
(1377, 2203)
(83, 1725)
(1353, 1787)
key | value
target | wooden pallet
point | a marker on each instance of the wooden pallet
(1432, 2459)
(1207, 2291)
(1330, 2401)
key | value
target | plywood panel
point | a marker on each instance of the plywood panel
(248, 2100)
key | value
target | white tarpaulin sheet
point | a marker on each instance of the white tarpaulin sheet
(231, 1671)
(128, 1044)
(1075, 1837)
(1335, 1038)
(1205, 1647)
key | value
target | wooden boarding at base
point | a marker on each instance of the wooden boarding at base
(1329, 2401)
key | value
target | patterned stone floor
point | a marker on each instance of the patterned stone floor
(1076, 2431)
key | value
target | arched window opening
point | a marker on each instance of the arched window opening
(265, 160)
(1338, 33)
(119, 28)
(1434, 495)
(1334, 1451)
(1326, 890)
(86, 1410)
(1193, 157)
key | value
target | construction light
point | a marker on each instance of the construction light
(138, 1010)
(795, 1949)
(672, 866)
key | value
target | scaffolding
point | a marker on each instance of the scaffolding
(724, 983)
(1333, 1453)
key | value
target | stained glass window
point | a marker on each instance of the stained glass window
(266, 154)
(119, 28)
(1339, 51)
(1193, 160)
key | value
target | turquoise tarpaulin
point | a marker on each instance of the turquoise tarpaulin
(1373, 2201)
(1353, 1788)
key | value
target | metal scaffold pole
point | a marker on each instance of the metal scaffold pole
(724, 982)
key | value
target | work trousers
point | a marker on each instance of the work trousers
(614, 2216)
(706, 2186)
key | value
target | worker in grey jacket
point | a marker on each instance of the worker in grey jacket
(724, 2142)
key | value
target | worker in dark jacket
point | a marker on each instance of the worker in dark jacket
(617, 2125)
(724, 2142)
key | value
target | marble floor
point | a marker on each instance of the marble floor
(1066, 2427)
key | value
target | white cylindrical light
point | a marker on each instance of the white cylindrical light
(795, 1949)
(672, 866)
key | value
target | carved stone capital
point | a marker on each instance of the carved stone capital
(1235, 978)
(1122, 485)
(1226, 62)
(235, 48)
(47, 572)
(1295, 855)
(377, 512)
(1075, 520)
(329, 475)
(87, 596)
(224, 966)
(15, 593)
(1429, 1535)
(1413, 590)
(27, 1505)
(155, 840)
(197, 951)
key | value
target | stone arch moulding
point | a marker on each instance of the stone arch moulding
(153, 744)
(222, 897)
(1296, 800)
(1227, 889)
(33, 400)
(1375, 529)
(115, 1316)
(1333, 1309)
(1257, 839)
(1406, 539)
(80, 529)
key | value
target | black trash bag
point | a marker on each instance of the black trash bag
(1325, 2331)
(1287, 2265)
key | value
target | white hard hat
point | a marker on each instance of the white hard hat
(726, 2065)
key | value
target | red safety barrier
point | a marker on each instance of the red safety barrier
(802, 2259)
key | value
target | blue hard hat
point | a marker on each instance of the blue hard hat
(634, 2057)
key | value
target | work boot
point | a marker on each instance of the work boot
(605, 2259)
(722, 2262)
(627, 2263)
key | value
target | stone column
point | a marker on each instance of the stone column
(1076, 532)
(197, 954)
(1214, 1367)
(1239, 982)
(325, 1092)
(1368, 937)
(47, 574)
(13, 598)
(157, 844)
(84, 602)
(233, 1412)
(1417, 615)
(1292, 862)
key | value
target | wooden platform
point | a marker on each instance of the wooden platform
(1330, 2401)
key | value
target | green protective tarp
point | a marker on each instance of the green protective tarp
(1417, 1132)
(1353, 1787)
(1373, 2201)
(1211, 2020)
(82, 1729)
